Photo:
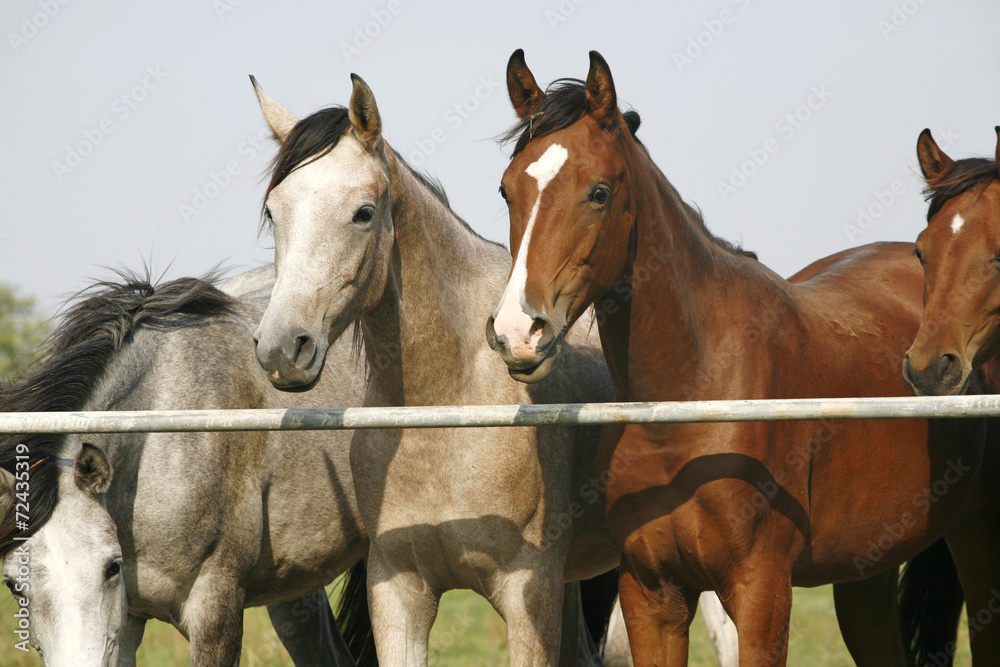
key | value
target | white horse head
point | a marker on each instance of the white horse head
(328, 204)
(67, 577)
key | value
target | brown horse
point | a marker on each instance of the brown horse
(956, 349)
(750, 509)
(960, 252)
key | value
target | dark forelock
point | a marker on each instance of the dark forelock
(564, 103)
(963, 175)
(312, 137)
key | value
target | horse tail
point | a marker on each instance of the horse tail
(930, 605)
(597, 597)
(354, 618)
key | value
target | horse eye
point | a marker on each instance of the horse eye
(503, 192)
(600, 195)
(365, 213)
(996, 257)
(114, 569)
(919, 255)
(10, 586)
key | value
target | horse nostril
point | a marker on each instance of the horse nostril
(300, 342)
(950, 366)
(539, 334)
(305, 351)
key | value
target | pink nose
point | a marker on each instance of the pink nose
(521, 332)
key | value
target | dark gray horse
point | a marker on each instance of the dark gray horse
(188, 528)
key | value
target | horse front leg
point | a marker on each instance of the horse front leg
(868, 616)
(617, 652)
(721, 629)
(577, 648)
(974, 542)
(531, 601)
(758, 597)
(403, 607)
(658, 620)
(212, 618)
(309, 632)
(129, 640)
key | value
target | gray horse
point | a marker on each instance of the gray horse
(188, 528)
(509, 513)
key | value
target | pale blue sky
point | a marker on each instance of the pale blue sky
(833, 95)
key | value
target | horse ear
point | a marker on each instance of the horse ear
(364, 115)
(93, 472)
(6, 489)
(601, 91)
(279, 119)
(997, 158)
(522, 88)
(933, 161)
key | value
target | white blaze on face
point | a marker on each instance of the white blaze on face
(510, 319)
(956, 223)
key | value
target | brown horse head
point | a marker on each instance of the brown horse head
(960, 252)
(571, 210)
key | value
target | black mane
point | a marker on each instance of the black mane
(102, 320)
(963, 175)
(565, 102)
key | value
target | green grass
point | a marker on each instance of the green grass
(468, 632)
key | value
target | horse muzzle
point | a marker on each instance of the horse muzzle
(292, 359)
(939, 374)
(529, 350)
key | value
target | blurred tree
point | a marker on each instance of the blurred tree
(22, 331)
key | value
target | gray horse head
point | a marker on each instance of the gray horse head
(329, 209)
(74, 555)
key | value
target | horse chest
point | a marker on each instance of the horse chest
(430, 476)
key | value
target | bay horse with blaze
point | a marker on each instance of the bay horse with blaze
(745, 509)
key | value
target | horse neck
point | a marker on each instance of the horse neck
(680, 279)
(430, 320)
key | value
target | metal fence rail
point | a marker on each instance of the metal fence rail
(567, 414)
